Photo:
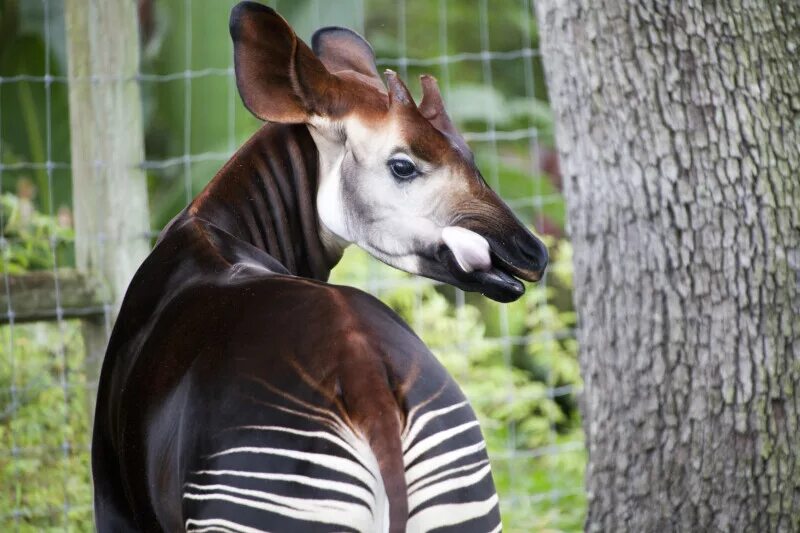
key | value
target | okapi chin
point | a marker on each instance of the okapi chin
(240, 391)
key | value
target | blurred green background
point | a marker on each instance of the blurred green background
(517, 363)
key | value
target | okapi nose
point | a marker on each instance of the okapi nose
(533, 250)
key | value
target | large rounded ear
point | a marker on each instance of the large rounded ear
(342, 50)
(278, 76)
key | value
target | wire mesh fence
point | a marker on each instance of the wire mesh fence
(517, 362)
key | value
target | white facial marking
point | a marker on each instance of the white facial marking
(470, 249)
(372, 149)
(329, 201)
(329, 195)
(395, 220)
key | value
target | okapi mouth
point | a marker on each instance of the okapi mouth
(526, 258)
(501, 281)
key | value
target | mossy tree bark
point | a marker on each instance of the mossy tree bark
(678, 124)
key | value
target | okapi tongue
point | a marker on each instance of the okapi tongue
(470, 249)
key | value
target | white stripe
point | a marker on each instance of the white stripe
(345, 518)
(212, 529)
(415, 426)
(429, 466)
(434, 440)
(299, 504)
(365, 467)
(427, 480)
(430, 479)
(498, 529)
(218, 524)
(353, 490)
(448, 485)
(414, 410)
(339, 464)
(319, 434)
(449, 514)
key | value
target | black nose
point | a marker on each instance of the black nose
(533, 250)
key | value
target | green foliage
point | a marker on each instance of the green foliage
(476, 105)
(30, 237)
(44, 430)
(44, 422)
(26, 119)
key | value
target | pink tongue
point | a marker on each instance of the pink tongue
(470, 249)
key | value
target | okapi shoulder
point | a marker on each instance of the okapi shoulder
(285, 330)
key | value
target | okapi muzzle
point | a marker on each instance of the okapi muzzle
(513, 251)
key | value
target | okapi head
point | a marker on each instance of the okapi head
(395, 178)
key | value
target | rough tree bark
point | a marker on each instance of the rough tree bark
(678, 126)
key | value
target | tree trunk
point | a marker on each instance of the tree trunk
(678, 124)
(109, 187)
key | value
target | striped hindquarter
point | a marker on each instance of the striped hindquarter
(258, 421)
(313, 469)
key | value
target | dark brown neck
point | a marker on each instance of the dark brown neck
(266, 196)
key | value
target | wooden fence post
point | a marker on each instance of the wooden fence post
(109, 187)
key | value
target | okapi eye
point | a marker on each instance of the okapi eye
(403, 168)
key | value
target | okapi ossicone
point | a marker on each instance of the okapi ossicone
(241, 392)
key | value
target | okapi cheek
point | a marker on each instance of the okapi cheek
(470, 249)
(330, 207)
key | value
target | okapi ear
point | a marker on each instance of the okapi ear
(432, 108)
(278, 76)
(342, 50)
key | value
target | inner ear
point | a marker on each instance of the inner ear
(344, 51)
(278, 76)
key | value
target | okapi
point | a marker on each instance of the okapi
(241, 392)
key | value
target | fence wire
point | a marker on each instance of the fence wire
(44, 410)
